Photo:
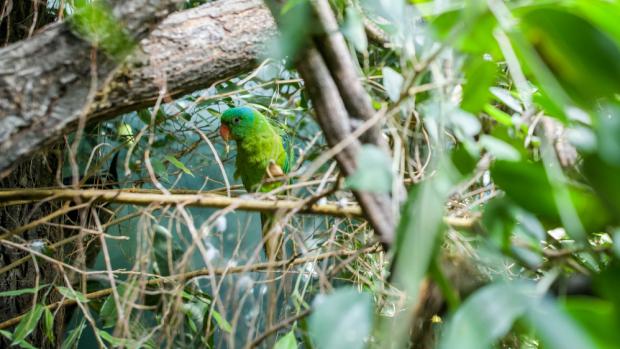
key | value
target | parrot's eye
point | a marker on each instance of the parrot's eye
(236, 120)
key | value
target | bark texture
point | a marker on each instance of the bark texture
(48, 82)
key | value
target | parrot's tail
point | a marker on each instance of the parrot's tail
(272, 237)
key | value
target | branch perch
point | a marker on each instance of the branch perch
(197, 200)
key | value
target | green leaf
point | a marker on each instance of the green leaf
(498, 115)
(72, 294)
(178, 164)
(287, 342)
(374, 171)
(526, 183)
(74, 335)
(598, 317)
(342, 319)
(555, 328)
(487, 315)
(480, 74)
(108, 312)
(585, 60)
(115, 341)
(13, 293)
(393, 83)
(28, 323)
(353, 29)
(160, 169)
(499, 149)
(221, 322)
(49, 324)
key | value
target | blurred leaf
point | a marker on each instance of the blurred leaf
(178, 164)
(555, 328)
(49, 324)
(526, 184)
(160, 169)
(499, 221)
(221, 322)
(480, 74)
(342, 319)
(392, 82)
(585, 60)
(597, 317)
(498, 115)
(463, 160)
(608, 129)
(287, 342)
(115, 341)
(470, 30)
(28, 323)
(604, 178)
(607, 284)
(374, 171)
(487, 315)
(12, 293)
(507, 98)
(72, 294)
(108, 312)
(601, 13)
(74, 335)
(295, 24)
(353, 29)
(499, 149)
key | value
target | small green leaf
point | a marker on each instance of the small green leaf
(353, 29)
(287, 342)
(72, 294)
(74, 335)
(49, 324)
(374, 171)
(342, 319)
(28, 323)
(498, 115)
(480, 74)
(499, 149)
(108, 312)
(12, 293)
(393, 83)
(221, 322)
(160, 169)
(178, 164)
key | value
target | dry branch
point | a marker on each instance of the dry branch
(207, 272)
(197, 200)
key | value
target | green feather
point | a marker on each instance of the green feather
(258, 143)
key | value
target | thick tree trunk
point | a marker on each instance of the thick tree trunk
(45, 80)
(48, 81)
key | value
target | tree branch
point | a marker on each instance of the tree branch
(198, 200)
(189, 50)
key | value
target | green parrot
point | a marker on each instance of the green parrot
(261, 156)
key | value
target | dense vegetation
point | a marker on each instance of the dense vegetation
(501, 162)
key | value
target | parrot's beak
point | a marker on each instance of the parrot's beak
(225, 132)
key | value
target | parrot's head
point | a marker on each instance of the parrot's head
(237, 123)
